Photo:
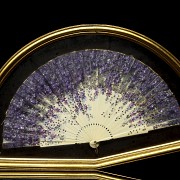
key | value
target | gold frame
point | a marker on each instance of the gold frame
(86, 165)
(64, 175)
(30, 164)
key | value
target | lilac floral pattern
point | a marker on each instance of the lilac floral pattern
(88, 96)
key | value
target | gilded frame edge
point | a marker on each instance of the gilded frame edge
(64, 175)
(88, 164)
(71, 31)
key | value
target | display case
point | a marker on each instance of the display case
(86, 97)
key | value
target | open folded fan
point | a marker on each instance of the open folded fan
(88, 96)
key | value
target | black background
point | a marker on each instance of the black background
(23, 22)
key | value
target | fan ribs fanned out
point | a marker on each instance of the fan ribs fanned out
(88, 96)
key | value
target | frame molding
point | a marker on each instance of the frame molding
(72, 31)
(64, 175)
(29, 164)
(65, 165)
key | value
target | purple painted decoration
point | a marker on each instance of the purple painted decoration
(88, 96)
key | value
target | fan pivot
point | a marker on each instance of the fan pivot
(94, 144)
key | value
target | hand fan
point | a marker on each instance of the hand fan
(88, 96)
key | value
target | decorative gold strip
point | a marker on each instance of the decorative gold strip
(138, 154)
(63, 175)
(26, 164)
(72, 31)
